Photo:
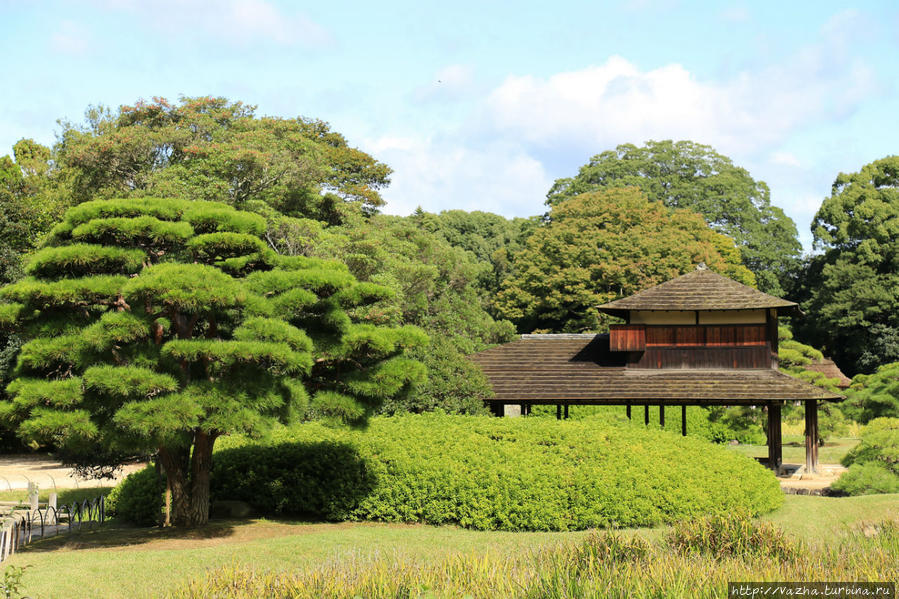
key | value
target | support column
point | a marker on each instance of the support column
(558, 411)
(566, 411)
(811, 436)
(775, 445)
(683, 420)
(628, 411)
(662, 416)
(646, 414)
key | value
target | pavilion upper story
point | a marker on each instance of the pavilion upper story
(698, 320)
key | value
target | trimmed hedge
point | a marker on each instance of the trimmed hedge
(491, 474)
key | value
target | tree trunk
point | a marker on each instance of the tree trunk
(201, 464)
(188, 481)
(174, 462)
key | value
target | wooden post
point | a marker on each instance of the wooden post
(646, 414)
(628, 411)
(662, 416)
(683, 420)
(566, 411)
(811, 436)
(775, 447)
(558, 411)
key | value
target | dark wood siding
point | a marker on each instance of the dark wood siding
(627, 337)
(702, 357)
(739, 335)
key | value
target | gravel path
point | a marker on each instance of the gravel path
(16, 471)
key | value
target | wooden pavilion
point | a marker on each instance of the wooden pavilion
(700, 339)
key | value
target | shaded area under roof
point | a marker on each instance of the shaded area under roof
(580, 369)
(697, 290)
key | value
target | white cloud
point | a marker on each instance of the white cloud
(616, 102)
(238, 22)
(785, 159)
(441, 174)
(70, 38)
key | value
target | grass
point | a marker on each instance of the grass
(794, 449)
(119, 561)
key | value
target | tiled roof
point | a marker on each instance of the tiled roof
(581, 369)
(829, 369)
(697, 290)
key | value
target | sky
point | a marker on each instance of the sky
(481, 105)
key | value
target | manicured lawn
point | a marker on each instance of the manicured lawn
(123, 562)
(794, 449)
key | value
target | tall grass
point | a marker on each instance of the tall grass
(697, 559)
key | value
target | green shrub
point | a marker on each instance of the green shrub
(874, 462)
(138, 498)
(867, 479)
(732, 535)
(491, 474)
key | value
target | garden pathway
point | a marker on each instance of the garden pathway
(16, 471)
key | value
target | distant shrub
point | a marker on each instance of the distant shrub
(732, 535)
(138, 498)
(874, 462)
(701, 422)
(874, 395)
(491, 474)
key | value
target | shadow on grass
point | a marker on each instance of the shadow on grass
(114, 534)
(302, 484)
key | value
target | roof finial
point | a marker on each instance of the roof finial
(701, 266)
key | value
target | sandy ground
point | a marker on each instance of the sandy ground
(795, 479)
(16, 471)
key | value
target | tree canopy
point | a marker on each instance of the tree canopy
(603, 245)
(853, 287)
(688, 175)
(436, 286)
(158, 325)
(214, 149)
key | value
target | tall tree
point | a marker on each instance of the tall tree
(602, 245)
(214, 149)
(157, 326)
(32, 199)
(491, 238)
(853, 287)
(437, 287)
(688, 175)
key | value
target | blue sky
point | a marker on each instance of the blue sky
(481, 105)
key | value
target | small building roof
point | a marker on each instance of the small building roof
(829, 369)
(698, 290)
(576, 369)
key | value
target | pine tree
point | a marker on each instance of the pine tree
(155, 326)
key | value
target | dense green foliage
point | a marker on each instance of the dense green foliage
(695, 177)
(492, 474)
(603, 245)
(874, 395)
(138, 498)
(874, 462)
(158, 325)
(491, 238)
(434, 285)
(213, 149)
(853, 287)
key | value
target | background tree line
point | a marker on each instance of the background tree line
(631, 217)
